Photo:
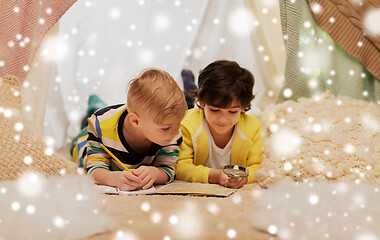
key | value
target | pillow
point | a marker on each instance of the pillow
(21, 149)
(325, 138)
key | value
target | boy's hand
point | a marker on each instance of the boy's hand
(226, 181)
(127, 181)
(222, 178)
(236, 182)
(150, 175)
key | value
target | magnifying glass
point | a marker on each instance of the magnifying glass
(236, 171)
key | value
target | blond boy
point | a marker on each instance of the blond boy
(143, 134)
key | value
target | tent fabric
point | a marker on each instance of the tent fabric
(200, 32)
(23, 24)
(316, 63)
(349, 29)
(269, 51)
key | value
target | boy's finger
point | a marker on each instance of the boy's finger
(227, 183)
(131, 183)
(145, 180)
(235, 184)
(241, 183)
(148, 185)
(128, 187)
(131, 176)
(139, 170)
(136, 171)
(233, 180)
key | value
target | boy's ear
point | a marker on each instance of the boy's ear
(134, 119)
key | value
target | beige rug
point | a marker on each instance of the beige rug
(183, 217)
(314, 211)
(67, 207)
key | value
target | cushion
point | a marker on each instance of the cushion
(325, 138)
(21, 149)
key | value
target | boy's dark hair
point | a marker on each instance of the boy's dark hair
(223, 81)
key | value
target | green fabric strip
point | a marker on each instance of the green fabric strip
(315, 63)
(169, 173)
(92, 169)
(163, 153)
(97, 149)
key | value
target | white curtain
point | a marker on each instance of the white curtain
(103, 44)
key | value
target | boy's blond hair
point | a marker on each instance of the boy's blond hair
(156, 94)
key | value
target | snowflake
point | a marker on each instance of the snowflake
(313, 199)
(231, 233)
(272, 229)
(173, 219)
(145, 206)
(240, 22)
(316, 8)
(371, 21)
(30, 209)
(156, 217)
(161, 22)
(287, 92)
(213, 208)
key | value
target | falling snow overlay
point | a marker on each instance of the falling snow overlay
(318, 211)
(354, 26)
(328, 48)
(22, 149)
(34, 207)
(328, 144)
(183, 217)
(325, 138)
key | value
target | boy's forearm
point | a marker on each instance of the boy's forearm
(161, 176)
(104, 177)
(213, 176)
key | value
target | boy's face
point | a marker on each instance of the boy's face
(222, 120)
(160, 134)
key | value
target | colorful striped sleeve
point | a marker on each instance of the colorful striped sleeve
(96, 157)
(167, 157)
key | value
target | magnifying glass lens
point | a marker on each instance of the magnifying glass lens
(235, 171)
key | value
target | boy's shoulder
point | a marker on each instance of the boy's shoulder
(249, 118)
(112, 109)
(195, 112)
(109, 115)
(193, 116)
(249, 123)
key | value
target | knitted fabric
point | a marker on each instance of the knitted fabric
(10, 93)
(22, 150)
(316, 63)
(349, 29)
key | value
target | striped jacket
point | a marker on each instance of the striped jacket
(105, 127)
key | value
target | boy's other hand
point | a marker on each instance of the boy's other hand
(127, 181)
(236, 182)
(150, 175)
(230, 182)
(222, 178)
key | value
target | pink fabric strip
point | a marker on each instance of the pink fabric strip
(23, 24)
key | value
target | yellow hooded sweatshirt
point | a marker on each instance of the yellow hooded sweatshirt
(245, 149)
